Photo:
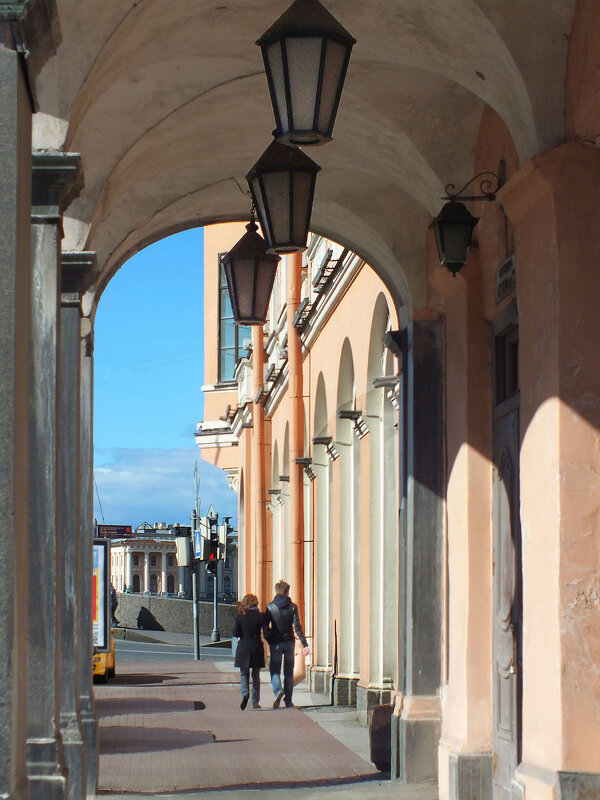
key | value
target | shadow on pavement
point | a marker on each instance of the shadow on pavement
(120, 740)
(119, 706)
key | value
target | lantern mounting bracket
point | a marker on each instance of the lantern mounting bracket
(488, 187)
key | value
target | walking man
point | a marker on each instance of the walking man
(281, 619)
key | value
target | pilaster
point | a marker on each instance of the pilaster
(554, 203)
(416, 727)
(54, 177)
(84, 263)
(15, 276)
(73, 591)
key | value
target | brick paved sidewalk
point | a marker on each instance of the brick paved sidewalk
(166, 727)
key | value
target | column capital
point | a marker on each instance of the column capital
(31, 27)
(79, 271)
(57, 179)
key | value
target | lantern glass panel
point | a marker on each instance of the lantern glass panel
(303, 182)
(244, 278)
(277, 196)
(257, 196)
(264, 286)
(304, 60)
(276, 66)
(455, 239)
(335, 61)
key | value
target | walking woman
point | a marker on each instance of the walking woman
(250, 653)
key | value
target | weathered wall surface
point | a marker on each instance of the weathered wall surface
(171, 614)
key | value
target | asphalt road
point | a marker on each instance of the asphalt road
(126, 650)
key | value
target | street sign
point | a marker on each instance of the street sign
(201, 535)
(114, 531)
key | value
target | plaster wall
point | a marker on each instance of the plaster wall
(582, 118)
(554, 202)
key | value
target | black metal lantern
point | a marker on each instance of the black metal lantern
(453, 229)
(454, 225)
(250, 272)
(306, 54)
(282, 184)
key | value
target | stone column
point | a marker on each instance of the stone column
(416, 731)
(15, 200)
(163, 573)
(146, 573)
(554, 204)
(128, 568)
(55, 181)
(73, 596)
(87, 262)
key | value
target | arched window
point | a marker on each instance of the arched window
(153, 584)
(227, 584)
(136, 584)
(170, 584)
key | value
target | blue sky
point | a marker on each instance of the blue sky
(148, 373)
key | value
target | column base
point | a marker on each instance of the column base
(538, 783)
(44, 771)
(344, 690)
(89, 730)
(74, 754)
(470, 776)
(415, 740)
(368, 698)
(320, 680)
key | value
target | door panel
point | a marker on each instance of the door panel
(507, 602)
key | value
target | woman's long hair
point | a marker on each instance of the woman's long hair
(246, 603)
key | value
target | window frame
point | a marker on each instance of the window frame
(240, 332)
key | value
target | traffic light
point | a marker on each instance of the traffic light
(213, 547)
(211, 566)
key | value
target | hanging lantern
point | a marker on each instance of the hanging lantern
(453, 229)
(282, 184)
(306, 54)
(250, 273)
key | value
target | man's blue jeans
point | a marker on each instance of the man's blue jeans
(285, 651)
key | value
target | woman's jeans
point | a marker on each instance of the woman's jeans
(285, 651)
(245, 681)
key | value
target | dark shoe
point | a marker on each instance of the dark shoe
(244, 702)
(289, 704)
(277, 700)
(255, 706)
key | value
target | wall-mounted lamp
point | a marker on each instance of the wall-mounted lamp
(306, 54)
(250, 273)
(282, 184)
(360, 426)
(453, 226)
(329, 445)
(305, 463)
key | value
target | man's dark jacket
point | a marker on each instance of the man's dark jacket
(281, 619)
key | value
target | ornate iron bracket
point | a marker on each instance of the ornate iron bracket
(488, 187)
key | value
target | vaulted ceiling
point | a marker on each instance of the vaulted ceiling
(168, 105)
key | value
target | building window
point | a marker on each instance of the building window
(136, 560)
(136, 584)
(152, 561)
(153, 584)
(231, 336)
(170, 584)
(170, 562)
(227, 584)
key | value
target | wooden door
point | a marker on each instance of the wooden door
(507, 630)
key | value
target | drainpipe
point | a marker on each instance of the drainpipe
(259, 489)
(296, 419)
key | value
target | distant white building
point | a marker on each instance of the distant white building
(145, 562)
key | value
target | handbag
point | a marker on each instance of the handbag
(299, 663)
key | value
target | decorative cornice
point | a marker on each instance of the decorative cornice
(57, 179)
(79, 271)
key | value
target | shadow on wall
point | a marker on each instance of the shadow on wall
(146, 621)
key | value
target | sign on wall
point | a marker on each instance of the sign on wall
(101, 594)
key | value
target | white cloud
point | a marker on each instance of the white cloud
(156, 485)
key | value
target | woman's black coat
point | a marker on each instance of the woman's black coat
(250, 651)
